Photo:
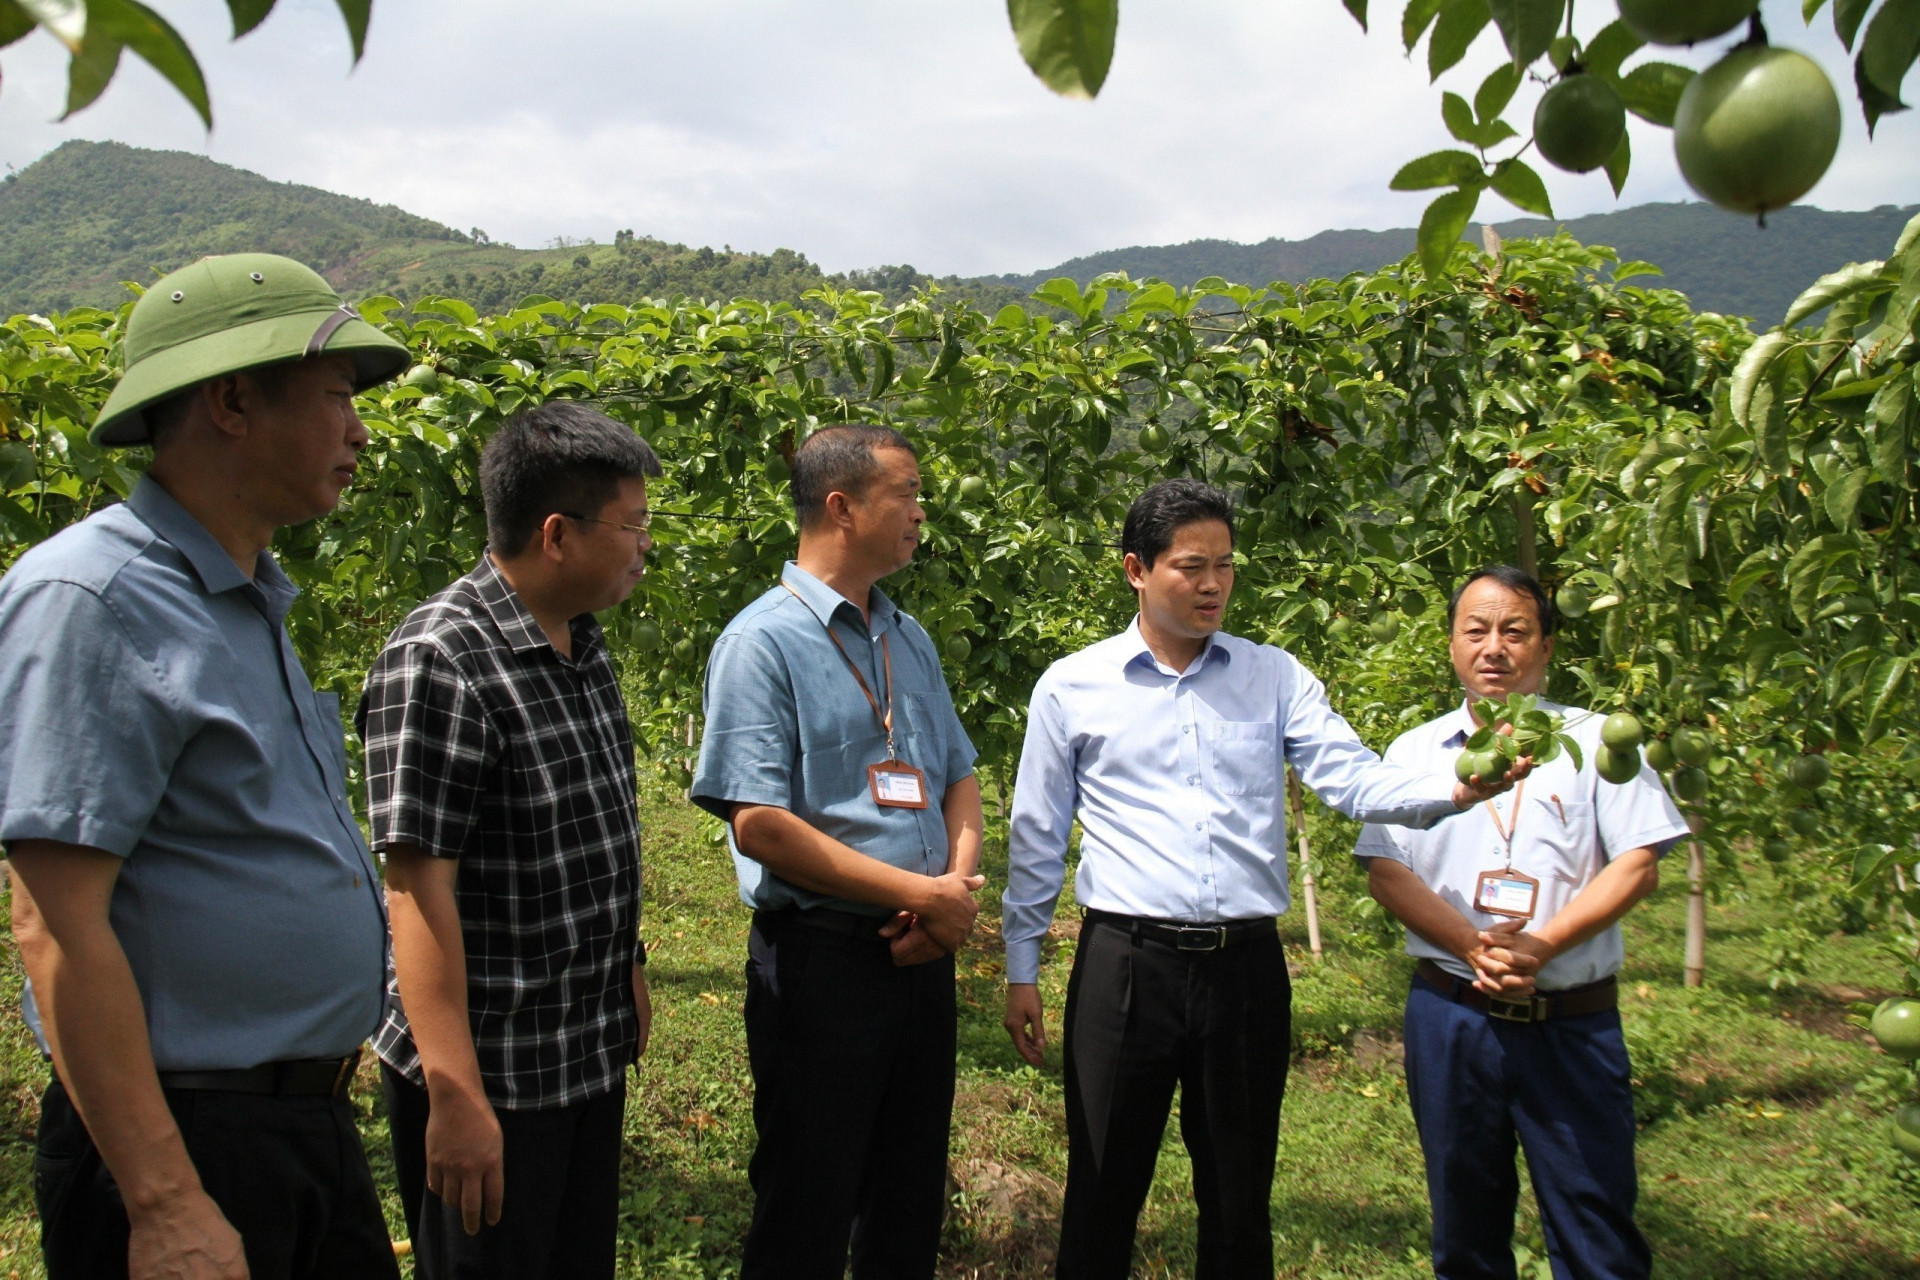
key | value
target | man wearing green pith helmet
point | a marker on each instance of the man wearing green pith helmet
(199, 917)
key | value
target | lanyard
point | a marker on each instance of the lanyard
(886, 653)
(1506, 831)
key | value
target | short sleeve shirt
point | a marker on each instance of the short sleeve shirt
(787, 725)
(152, 706)
(1570, 824)
(484, 744)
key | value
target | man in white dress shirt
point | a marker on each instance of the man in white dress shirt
(1512, 1025)
(1170, 742)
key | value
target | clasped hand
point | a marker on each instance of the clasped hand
(944, 925)
(1506, 959)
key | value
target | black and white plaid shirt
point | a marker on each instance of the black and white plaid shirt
(485, 745)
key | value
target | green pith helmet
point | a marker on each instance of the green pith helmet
(225, 314)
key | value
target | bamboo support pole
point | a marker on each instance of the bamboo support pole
(1696, 958)
(1299, 806)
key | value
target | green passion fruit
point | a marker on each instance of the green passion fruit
(1809, 773)
(1622, 731)
(423, 376)
(934, 573)
(1757, 129)
(1684, 21)
(1906, 1130)
(683, 650)
(740, 553)
(1690, 783)
(1579, 123)
(1660, 755)
(1804, 822)
(1153, 438)
(1340, 628)
(1776, 849)
(974, 489)
(1617, 765)
(645, 634)
(958, 648)
(1692, 747)
(1896, 1025)
(1572, 602)
(1384, 628)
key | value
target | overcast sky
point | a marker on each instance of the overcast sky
(859, 132)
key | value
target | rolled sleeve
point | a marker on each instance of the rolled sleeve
(1638, 814)
(752, 736)
(429, 745)
(1044, 798)
(88, 731)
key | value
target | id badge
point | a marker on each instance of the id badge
(1506, 893)
(897, 785)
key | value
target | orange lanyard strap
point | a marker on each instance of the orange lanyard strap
(886, 654)
(1506, 831)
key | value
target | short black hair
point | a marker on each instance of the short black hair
(1163, 509)
(561, 456)
(839, 458)
(1516, 580)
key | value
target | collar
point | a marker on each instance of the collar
(161, 512)
(1457, 725)
(1134, 649)
(516, 622)
(826, 603)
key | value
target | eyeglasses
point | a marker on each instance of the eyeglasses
(646, 519)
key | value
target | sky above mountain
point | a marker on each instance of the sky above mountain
(858, 131)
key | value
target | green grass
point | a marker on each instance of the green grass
(1763, 1151)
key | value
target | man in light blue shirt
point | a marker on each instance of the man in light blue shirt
(833, 754)
(1170, 742)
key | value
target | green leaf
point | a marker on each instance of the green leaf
(1067, 43)
(1842, 498)
(357, 13)
(1620, 161)
(1628, 270)
(1846, 19)
(1460, 24)
(1883, 685)
(15, 22)
(1573, 749)
(91, 70)
(1496, 91)
(1610, 47)
(1892, 414)
(1767, 419)
(1462, 125)
(1753, 365)
(1652, 91)
(1415, 19)
(1358, 8)
(1830, 288)
(1527, 26)
(1522, 187)
(1874, 101)
(1439, 169)
(1892, 43)
(248, 14)
(1441, 225)
(1808, 8)
(114, 25)
(66, 20)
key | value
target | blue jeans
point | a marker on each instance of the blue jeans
(1559, 1087)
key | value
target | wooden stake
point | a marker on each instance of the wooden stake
(1696, 958)
(1299, 807)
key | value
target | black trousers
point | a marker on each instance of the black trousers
(1142, 1017)
(289, 1174)
(560, 1213)
(853, 1073)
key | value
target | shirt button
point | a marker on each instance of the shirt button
(1193, 782)
(1196, 826)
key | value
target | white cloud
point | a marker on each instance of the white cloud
(857, 131)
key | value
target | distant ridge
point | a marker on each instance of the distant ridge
(1721, 262)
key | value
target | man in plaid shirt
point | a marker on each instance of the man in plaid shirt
(500, 781)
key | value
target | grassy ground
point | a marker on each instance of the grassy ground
(1763, 1152)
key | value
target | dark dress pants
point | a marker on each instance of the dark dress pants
(560, 1213)
(289, 1173)
(1561, 1088)
(1142, 1017)
(853, 1073)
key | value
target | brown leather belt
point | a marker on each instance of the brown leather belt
(313, 1077)
(1185, 937)
(1571, 1003)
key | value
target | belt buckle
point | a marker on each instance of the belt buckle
(1211, 937)
(1511, 1010)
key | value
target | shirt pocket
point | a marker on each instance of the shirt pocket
(1241, 757)
(1560, 837)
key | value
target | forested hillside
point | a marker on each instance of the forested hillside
(1721, 262)
(89, 215)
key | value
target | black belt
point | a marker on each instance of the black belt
(1186, 937)
(847, 924)
(1571, 1003)
(309, 1077)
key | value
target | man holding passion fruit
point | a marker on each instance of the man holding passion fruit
(1513, 910)
(1169, 742)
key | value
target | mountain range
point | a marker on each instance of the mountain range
(89, 215)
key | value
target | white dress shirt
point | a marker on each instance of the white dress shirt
(1180, 785)
(1570, 825)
